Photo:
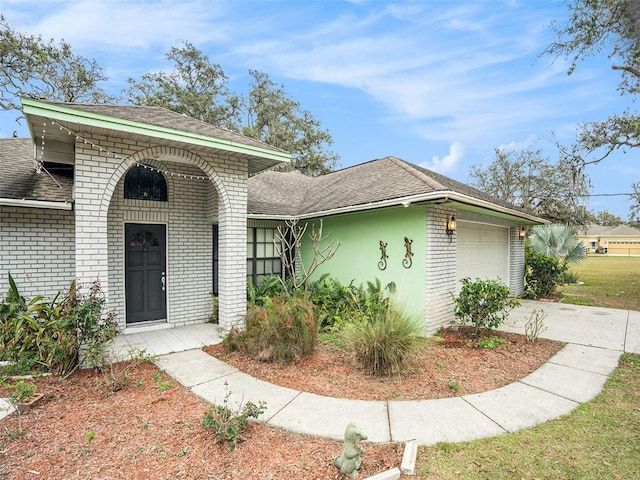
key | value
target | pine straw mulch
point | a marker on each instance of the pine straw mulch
(449, 366)
(82, 430)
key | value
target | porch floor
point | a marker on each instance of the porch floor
(166, 340)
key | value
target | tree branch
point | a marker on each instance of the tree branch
(628, 69)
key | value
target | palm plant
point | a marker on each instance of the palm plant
(558, 241)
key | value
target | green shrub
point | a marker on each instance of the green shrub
(54, 335)
(21, 391)
(269, 287)
(381, 345)
(228, 425)
(283, 330)
(371, 299)
(542, 273)
(568, 277)
(483, 303)
(338, 304)
(332, 301)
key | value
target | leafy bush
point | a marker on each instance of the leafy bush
(542, 273)
(269, 287)
(227, 424)
(568, 277)
(332, 301)
(282, 330)
(21, 391)
(483, 303)
(55, 335)
(338, 304)
(381, 345)
(372, 300)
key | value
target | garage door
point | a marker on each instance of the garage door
(483, 252)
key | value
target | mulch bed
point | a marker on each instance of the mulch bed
(450, 366)
(82, 430)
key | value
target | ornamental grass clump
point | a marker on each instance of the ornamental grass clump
(282, 330)
(381, 345)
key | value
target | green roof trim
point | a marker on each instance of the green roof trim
(71, 115)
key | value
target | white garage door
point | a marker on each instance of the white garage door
(483, 252)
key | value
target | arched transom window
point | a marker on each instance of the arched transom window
(143, 182)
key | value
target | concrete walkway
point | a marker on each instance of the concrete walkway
(596, 337)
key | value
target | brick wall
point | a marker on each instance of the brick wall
(37, 247)
(191, 208)
(516, 262)
(440, 268)
(441, 262)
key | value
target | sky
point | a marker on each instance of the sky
(438, 83)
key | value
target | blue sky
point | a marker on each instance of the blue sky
(437, 83)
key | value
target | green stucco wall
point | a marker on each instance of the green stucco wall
(358, 256)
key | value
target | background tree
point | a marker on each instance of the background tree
(34, 68)
(607, 219)
(634, 211)
(278, 120)
(595, 26)
(198, 88)
(530, 181)
(195, 87)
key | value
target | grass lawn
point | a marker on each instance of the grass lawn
(600, 439)
(608, 282)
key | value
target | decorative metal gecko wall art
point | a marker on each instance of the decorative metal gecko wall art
(382, 264)
(407, 261)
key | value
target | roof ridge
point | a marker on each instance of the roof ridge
(416, 172)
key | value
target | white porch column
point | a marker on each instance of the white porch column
(232, 265)
(92, 174)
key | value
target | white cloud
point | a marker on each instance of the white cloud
(128, 24)
(515, 146)
(448, 163)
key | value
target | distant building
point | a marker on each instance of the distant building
(620, 240)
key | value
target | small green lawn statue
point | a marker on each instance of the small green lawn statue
(349, 461)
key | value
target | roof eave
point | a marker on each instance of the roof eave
(459, 197)
(263, 216)
(66, 114)
(431, 197)
(23, 202)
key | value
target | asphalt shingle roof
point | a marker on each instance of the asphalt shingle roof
(375, 181)
(270, 193)
(165, 118)
(608, 230)
(19, 179)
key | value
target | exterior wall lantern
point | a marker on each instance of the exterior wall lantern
(451, 227)
(522, 233)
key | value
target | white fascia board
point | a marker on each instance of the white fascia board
(23, 202)
(262, 216)
(442, 196)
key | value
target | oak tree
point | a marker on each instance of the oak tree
(32, 67)
(532, 182)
